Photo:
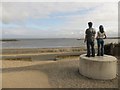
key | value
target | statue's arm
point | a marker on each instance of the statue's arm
(97, 35)
(105, 36)
(85, 36)
(85, 39)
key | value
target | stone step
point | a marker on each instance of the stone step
(41, 50)
(44, 56)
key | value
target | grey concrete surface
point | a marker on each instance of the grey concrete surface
(98, 67)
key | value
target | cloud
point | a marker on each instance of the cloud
(105, 14)
(75, 16)
(23, 32)
(20, 11)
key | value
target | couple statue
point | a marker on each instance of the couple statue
(90, 38)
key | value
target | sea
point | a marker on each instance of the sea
(49, 43)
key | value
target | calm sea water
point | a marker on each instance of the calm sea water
(48, 43)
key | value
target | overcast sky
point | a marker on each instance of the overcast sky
(56, 19)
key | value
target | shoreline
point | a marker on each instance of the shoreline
(45, 48)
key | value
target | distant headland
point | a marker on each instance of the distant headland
(8, 40)
(107, 38)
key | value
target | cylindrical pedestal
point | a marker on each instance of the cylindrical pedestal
(98, 67)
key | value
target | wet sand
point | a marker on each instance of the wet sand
(25, 79)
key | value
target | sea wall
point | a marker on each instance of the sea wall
(112, 49)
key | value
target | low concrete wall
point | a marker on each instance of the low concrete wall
(98, 67)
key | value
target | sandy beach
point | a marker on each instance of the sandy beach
(61, 73)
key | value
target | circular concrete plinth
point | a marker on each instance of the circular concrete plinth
(98, 67)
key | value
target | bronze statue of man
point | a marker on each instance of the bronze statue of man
(89, 39)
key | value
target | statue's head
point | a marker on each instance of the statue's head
(101, 28)
(90, 24)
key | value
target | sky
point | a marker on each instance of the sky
(56, 19)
